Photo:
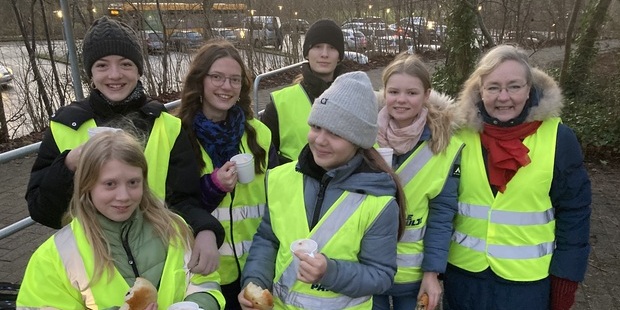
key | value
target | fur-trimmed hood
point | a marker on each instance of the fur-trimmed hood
(549, 103)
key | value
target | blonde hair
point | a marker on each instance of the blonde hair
(438, 119)
(123, 147)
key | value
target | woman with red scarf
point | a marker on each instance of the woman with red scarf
(521, 235)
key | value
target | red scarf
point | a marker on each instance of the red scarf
(506, 151)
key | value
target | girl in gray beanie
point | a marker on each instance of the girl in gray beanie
(340, 194)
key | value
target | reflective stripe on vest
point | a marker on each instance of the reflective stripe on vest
(162, 138)
(243, 215)
(74, 265)
(322, 234)
(513, 233)
(176, 280)
(423, 175)
(293, 107)
(338, 234)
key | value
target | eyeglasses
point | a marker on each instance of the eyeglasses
(511, 89)
(218, 80)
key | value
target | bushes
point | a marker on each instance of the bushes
(594, 111)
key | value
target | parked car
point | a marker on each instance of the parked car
(6, 74)
(354, 40)
(296, 25)
(153, 41)
(186, 40)
(226, 33)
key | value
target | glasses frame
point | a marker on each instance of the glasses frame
(212, 77)
(507, 88)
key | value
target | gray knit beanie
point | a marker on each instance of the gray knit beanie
(109, 37)
(348, 108)
(324, 31)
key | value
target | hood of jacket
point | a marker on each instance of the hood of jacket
(545, 101)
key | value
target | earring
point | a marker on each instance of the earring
(92, 85)
(200, 99)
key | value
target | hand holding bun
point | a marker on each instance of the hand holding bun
(422, 302)
(260, 298)
(142, 294)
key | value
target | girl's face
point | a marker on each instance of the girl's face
(323, 59)
(115, 77)
(329, 150)
(221, 88)
(505, 91)
(118, 190)
(404, 98)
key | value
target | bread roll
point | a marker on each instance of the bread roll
(261, 298)
(422, 302)
(141, 294)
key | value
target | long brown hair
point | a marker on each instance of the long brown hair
(192, 93)
(376, 162)
(123, 147)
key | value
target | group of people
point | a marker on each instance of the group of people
(486, 193)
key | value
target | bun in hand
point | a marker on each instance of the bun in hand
(141, 294)
(260, 298)
(422, 302)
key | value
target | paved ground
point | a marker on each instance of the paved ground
(601, 289)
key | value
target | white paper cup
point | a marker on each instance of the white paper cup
(184, 305)
(95, 130)
(245, 167)
(307, 246)
(386, 153)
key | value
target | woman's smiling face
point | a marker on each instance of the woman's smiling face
(505, 90)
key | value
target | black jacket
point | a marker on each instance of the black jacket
(51, 182)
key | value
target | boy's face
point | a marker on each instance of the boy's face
(323, 59)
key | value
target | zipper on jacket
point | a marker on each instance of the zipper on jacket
(125, 241)
(319, 201)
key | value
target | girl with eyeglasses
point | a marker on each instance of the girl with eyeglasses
(216, 111)
(521, 234)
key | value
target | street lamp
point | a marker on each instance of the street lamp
(58, 13)
(280, 8)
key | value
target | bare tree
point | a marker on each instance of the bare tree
(61, 94)
(4, 128)
(585, 53)
(569, 40)
(31, 48)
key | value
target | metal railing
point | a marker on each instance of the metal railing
(33, 148)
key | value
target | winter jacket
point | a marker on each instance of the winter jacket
(570, 191)
(313, 87)
(374, 272)
(436, 219)
(52, 280)
(51, 182)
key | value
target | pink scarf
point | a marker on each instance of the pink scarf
(402, 140)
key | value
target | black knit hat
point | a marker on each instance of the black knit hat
(109, 37)
(324, 31)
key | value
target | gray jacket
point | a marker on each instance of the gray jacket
(374, 273)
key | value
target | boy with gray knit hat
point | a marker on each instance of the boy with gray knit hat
(288, 111)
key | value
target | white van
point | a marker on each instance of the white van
(266, 30)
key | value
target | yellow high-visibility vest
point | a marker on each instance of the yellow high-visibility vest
(338, 235)
(247, 210)
(514, 232)
(293, 106)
